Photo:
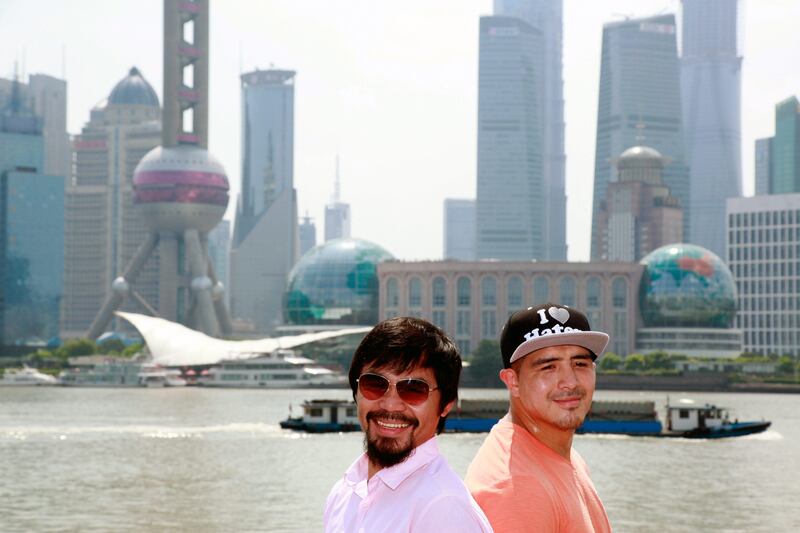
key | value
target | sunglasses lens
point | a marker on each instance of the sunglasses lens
(413, 391)
(373, 386)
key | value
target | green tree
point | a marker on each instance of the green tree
(785, 365)
(634, 362)
(658, 361)
(485, 364)
(112, 346)
(132, 350)
(77, 347)
(610, 361)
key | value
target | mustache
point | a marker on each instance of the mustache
(387, 415)
(578, 392)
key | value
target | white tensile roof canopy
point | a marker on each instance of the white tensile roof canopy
(173, 344)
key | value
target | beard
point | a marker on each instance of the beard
(572, 419)
(384, 451)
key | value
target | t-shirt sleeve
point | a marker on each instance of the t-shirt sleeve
(451, 513)
(521, 505)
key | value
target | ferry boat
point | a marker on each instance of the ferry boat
(279, 369)
(325, 416)
(101, 371)
(26, 376)
(635, 418)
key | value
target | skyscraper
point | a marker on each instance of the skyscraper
(510, 200)
(639, 88)
(711, 88)
(31, 229)
(47, 97)
(337, 213)
(785, 155)
(307, 234)
(763, 165)
(639, 214)
(459, 229)
(547, 17)
(265, 242)
(103, 230)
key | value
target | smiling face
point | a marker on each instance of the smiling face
(392, 427)
(551, 389)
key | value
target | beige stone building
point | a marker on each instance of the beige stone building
(472, 300)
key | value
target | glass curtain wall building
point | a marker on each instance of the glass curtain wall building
(510, 199)
(265, 239)
(639, 103)
(547, 17)
(711, 89)
(31, 229)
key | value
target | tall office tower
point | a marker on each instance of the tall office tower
(31, 229)
(763, 165)
(307, 232)
(459, 229)
(179, 189)
(546, 16)
(764, 257)
(219, 251)
(639, 87)
(639, 214)
(510, 202)
(47, 96)
(337, 213)
(265, 240)
(785, 153)
(711, 88)
(102, 227)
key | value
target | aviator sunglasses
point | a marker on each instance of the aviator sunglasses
(412, 391)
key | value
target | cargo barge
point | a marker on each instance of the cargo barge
(635, 418)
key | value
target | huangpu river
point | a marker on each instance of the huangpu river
(198, 459)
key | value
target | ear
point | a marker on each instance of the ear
(510, 378)
(447, 408)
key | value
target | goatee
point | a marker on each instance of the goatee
(385, 452)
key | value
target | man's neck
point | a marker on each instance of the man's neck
(557, 439)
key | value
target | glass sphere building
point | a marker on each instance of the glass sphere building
(335, 283)
(686, 286)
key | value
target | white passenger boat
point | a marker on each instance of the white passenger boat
(280, 369)
(26, 377)
(152, 375)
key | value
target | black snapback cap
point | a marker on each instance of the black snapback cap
(546, 325)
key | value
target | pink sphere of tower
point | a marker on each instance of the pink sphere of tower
(180, 188)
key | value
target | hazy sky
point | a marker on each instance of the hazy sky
(390, 86)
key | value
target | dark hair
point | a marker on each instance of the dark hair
(402, 343)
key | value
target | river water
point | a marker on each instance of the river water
(195, 459)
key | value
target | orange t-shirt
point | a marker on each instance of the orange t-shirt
(522, 485)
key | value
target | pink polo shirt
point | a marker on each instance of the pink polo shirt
(421, 494)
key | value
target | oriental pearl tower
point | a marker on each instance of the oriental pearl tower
(180, 189)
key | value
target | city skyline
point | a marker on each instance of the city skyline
(361, 95)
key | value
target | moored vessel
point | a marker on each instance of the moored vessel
(26, 376)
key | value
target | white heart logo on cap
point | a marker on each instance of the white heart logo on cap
(560, 314)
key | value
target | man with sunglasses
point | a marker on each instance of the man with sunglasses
(526, 476)
(404, 376)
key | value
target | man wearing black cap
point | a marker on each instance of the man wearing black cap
(526, 476)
